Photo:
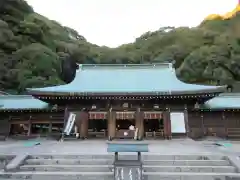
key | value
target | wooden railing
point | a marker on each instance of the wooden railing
(149, 134)
(233, 132)
(158, 134)
(155, 134)
(101, 134)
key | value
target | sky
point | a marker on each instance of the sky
(115, 22)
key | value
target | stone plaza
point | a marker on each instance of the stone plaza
(178, 159)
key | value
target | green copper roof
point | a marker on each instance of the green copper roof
(127, 79)
(13, 102)
(224, 101)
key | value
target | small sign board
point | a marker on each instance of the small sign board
(70, 123)
(177, 122)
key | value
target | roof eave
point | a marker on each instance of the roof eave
(217, 90)
(27, 109)
(219, 108)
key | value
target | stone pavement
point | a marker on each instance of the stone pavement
(177, 146)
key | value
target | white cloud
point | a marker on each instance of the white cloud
(116, 22)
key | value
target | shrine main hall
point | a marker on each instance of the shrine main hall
(107, 99)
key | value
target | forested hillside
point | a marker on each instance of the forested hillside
(32, 47)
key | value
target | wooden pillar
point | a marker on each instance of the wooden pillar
(186, 121)
(29, 127)
(50, 128)
(169, 134)
(84, 124)
(139, 118)
(65, 118)
(203, 126)
(165, 123)
(9, 126)
(224, 124)
(77, 124)
(111, 124)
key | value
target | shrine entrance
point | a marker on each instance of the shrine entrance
(123, 121)
(154, 125)
(136, 125)
(97, 125)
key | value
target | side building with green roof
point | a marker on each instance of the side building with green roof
(219, 116)
(23, 116)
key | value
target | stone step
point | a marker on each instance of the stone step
(68, 161)
(68, 168)
(145, 162)
(187, 162)
(190, 176)
(110, 176)
(184, 157)
(132, 157)
(72, 138)
(190, 169)
(72, 156)
(57, 175)
(109, 168)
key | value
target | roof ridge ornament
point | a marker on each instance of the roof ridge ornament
(150, 65)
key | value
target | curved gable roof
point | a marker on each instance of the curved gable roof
(121, 79)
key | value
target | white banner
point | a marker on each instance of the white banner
(70, 123)
(177, 122)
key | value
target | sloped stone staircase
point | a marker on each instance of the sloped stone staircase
(4, 160)
(100, 167)
(189, 167)
(64, 167)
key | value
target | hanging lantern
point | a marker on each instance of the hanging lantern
(196, 106)
(125, 105)
(94, 106)
(156, 106)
